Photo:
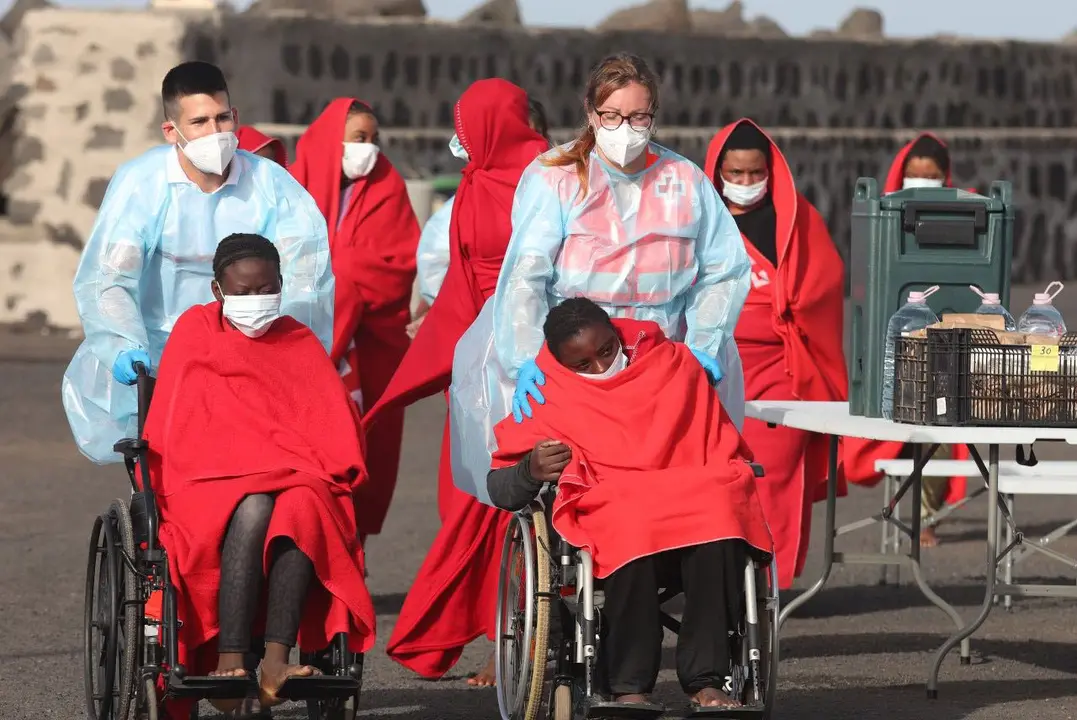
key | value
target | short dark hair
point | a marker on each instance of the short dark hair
(190, 78)
(928, 147)
(570, 317)
(361, 108)
(538, 117)
(239, 246)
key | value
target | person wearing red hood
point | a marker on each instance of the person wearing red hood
(925, 163)
(453, 599)
(789, 333)
(373, 235)
(260, 144)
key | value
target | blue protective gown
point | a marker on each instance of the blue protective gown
(149, 258)
(657, 245)
(432, 257)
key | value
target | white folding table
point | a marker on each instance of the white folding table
(833, 419)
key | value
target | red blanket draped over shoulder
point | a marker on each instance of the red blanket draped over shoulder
(895, 179)
(656, 462)
(453, 598)
(372, 241)
(232, 417)
(252, 140)
(790, 338)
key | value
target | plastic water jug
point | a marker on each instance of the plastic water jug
(992, 305)
(912, 316)
(1042, 317)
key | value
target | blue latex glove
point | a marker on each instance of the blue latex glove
(124, 367)
(527, 383)
(710, 365)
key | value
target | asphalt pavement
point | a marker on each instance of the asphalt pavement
(856, 651)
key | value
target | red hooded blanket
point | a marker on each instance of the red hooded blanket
(231, 417)
(252, 140)
(656, 462)
(790, 339)
(895, 179)
(372, 240)
(462, 566)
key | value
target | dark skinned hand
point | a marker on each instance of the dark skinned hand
(548, 459)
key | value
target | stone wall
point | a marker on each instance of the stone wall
(413, 72)
(87, 83)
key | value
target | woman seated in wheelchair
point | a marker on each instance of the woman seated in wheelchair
(254, 460)
(653, 480)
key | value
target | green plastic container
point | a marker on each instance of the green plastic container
(911, 240)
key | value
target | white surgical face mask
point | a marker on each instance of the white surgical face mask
(912, 183)
(744, 195)
(359, 159)
(623, 145)
(619, 363)
(252, 315)
(210, 153)
(457, 149)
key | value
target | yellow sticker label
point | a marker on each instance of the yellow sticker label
(1044, 359)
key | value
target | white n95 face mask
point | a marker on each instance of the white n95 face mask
(359, 159)
(623, 145)
(619, 363)
(910, 183)
(744, 195)
(210, 153)
(457, 149)
(252, 315)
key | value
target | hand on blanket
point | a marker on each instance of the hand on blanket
(548, 459)
(710, 365)
(527, 383)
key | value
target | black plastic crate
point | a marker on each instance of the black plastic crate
(965, 376)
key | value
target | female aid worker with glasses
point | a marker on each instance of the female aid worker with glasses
(629, 224)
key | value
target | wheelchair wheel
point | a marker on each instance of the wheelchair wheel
(110, 625)
(129, 641)
(147, 705)
(100, 621)
(561, 703)
(770, 608)
(761, 690)
(523, 617)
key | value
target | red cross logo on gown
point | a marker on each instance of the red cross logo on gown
(670, 189)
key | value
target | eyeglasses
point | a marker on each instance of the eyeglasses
(611, 119)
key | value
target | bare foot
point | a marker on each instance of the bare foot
(487, 677)
(631, 699)
(272, 679)
(928, 537)
(229, 665)
(712, 697)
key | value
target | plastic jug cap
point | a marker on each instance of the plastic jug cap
(1045, 297)
(919, 297)
(988, 298)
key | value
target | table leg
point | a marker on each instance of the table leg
(914, 551)
(828, 539)
(992, 567)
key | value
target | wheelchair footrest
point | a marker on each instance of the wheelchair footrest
(625, 711)
(210, 687)
(317, 687)
(747, 712)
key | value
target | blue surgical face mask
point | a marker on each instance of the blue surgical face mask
(457, 149)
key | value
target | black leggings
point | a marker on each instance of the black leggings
(290, 575)
(712, 577)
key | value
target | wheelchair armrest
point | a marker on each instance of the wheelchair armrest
(130, 447)
(757, 469)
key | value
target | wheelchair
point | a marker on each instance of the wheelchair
(131, 659)
(543, 581)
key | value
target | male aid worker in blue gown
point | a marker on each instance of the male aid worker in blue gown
(149, 256)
